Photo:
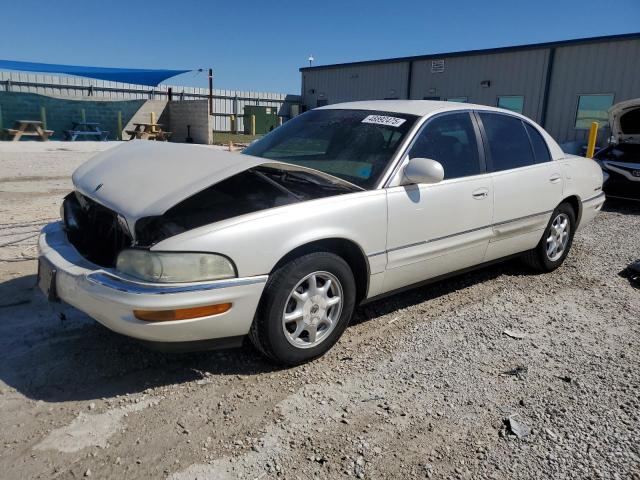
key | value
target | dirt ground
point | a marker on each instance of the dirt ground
(422, 385)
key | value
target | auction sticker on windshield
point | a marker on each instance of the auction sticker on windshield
(384, 120)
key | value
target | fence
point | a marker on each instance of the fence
(225, 102)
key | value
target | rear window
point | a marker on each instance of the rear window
(508, 141)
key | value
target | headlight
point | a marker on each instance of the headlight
(168, 267)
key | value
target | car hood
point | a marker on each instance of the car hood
(624, 120)
(143, 178)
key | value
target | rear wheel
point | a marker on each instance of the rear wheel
(306, 305)
(555, 242)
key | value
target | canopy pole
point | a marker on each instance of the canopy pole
(210, 91)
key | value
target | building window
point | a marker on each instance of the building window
(458, 99)
(515, 103)
(592, 108)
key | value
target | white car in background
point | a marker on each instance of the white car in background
(620, 160)
(341, 205)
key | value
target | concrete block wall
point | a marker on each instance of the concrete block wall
(143, 115)
(194, 113)
(62, 112)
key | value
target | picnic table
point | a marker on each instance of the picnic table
(28, 128)
(86, 129)
(149, 131)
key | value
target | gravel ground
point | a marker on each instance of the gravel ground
(499, 373)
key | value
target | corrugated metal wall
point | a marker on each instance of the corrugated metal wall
(514, 73)
(226, 102)
(611, 67)
(601, 67)
(355, 83)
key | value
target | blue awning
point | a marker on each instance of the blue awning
(139, 76)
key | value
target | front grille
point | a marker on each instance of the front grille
(94, 230)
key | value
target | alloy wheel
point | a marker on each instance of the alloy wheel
(558, 237)
(312, 310)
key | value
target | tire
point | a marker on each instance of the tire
(542, 258)
(289, 291)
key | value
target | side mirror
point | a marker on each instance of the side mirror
(422, 170)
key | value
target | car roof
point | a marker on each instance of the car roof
(424, 108)
(421, 108)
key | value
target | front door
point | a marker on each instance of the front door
(444, 227)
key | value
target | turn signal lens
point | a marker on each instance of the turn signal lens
(181, 314)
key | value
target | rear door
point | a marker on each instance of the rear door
(439, 228)
(527, 183)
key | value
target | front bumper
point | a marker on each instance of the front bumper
(622, 181)
(111, 299)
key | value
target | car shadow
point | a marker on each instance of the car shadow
(624, 207)
(55, 353)
(437, 289)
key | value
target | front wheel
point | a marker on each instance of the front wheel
(306, 305)
(555, 242)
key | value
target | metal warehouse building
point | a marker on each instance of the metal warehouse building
(564, 86)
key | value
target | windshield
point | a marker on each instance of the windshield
(354, 145)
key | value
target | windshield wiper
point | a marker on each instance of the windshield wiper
(316, 180)
(279, 186)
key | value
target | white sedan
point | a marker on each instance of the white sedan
(184, 245)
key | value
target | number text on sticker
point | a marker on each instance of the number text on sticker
(384, 120)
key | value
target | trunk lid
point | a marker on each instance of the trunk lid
(624, 120)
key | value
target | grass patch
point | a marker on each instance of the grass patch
(223, 138)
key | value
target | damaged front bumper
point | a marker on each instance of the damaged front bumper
(111, 299)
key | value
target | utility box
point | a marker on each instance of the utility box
(266, 119)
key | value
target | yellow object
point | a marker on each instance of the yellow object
(181, 314)
(232, 120)
(253, 124)
(153, 121)
(593, 135)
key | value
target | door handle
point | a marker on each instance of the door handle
(555, 178)
(480, 193)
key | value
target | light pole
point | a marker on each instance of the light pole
(311, 59)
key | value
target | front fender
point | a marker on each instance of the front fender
(257, 241)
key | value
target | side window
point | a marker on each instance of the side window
(508, 141)
(540, 149)
(451, 140)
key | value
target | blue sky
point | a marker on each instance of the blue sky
(259, 45)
